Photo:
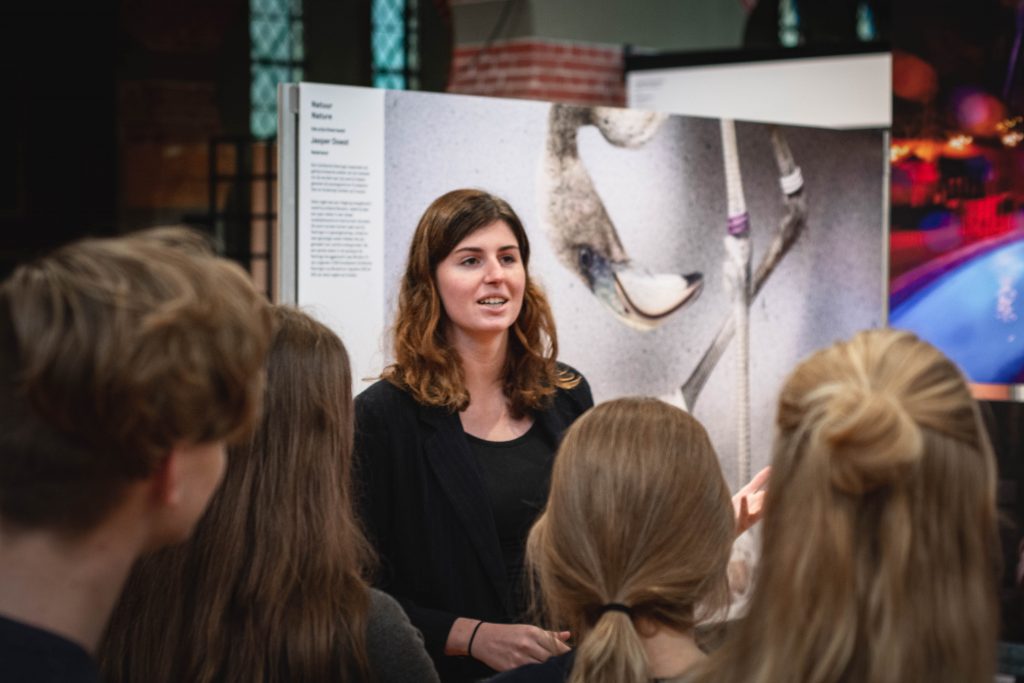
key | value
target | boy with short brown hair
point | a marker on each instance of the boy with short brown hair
(125, 366)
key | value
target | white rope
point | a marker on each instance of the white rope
(737, 267)
(739, 250)
(792, 183)
(733, 179)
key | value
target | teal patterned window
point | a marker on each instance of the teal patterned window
(277, 55)
(867, 31)
(394, 39)
(789, 23)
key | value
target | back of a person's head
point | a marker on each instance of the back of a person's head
(879, 547)
(269, 587)
(638, 515)
(113, 351)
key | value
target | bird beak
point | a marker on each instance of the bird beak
(639, 298)
(651, 297)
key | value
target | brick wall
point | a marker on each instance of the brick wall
(531, 68)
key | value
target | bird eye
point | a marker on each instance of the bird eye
(586, 257)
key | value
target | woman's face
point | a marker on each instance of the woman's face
(481, 282)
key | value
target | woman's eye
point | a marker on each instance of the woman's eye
(508, 259)
(470, 261)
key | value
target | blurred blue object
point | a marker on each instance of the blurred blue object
(973, 315)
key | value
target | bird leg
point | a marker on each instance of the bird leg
(790, 228)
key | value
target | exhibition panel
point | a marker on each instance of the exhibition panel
(632, 223)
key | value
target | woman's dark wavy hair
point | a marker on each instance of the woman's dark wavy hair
(425, 364)
(270, 586)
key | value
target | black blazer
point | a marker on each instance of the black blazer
(423, 504)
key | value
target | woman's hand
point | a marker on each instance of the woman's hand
(504, 646)
(748, 502)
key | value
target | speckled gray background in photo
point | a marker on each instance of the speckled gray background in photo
(667, 200)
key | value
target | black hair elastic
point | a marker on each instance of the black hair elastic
(616, 607)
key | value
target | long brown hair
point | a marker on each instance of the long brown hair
(880, 550)
(270, 587)
(425, 363)
(639, 514)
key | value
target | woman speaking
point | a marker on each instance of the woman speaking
(455, 443)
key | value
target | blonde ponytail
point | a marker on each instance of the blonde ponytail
(639, 515)
(612, 652)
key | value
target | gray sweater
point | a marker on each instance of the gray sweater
(394, 645)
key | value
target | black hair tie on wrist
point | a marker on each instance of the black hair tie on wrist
(616, 607)
(472, 636)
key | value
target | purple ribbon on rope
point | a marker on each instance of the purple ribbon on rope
(739, 226)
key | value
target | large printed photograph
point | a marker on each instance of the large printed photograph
(692, 259)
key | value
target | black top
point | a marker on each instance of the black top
(555, 670)
(32, 655)
(424, 504)
(516, 475)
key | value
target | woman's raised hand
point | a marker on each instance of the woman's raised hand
(749, 501)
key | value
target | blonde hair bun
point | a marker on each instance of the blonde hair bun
(868, 436)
